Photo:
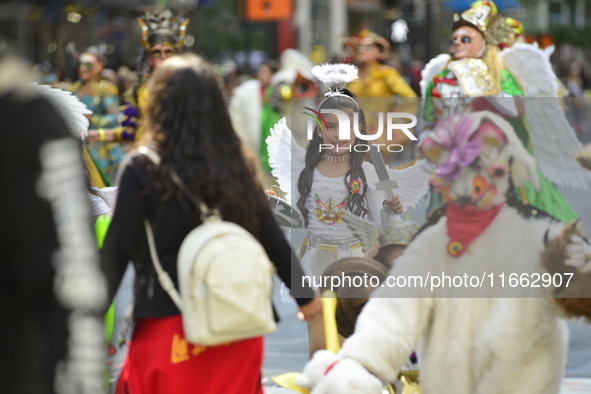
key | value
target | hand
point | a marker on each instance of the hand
(94, 136)
(576, 252)
(373, 251)
(393, 204)
(308, 311)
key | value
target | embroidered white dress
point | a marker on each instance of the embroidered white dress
(329, 238)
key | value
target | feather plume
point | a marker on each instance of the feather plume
(554, 141)
(434, 66)
(335, 74)
(286, 157)
(413, 182)
(69, 107)
(367, 232)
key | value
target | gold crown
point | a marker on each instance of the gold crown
(478, 15)
(164, 27)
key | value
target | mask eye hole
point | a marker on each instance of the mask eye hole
(466, 40)
(479, 185)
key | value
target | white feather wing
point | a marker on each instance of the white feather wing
(531, 66)
(413, 182)
(286, 157)
(69, 107)
(434, 66)
(554, 141)
(367, 232)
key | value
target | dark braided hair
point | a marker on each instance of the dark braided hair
(314, 156)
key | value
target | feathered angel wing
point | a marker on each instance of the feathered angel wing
(286, 157)
(69, 107)
(530, 65)
(434, 66)
(365, 230)
(554, 141)
(584, 157)
(413, 182)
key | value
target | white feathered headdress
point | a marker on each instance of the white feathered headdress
(335, 77)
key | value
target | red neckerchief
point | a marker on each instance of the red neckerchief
(464, 225)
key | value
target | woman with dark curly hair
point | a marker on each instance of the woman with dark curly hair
(190, 129)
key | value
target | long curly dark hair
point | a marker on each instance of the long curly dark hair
(188, 120)
(314, 156)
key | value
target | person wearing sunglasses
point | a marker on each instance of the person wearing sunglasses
(478, 74)
(102, 98)
(379, 80)
(163, 35)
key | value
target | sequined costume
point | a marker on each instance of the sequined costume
(131, 126)
(103, 101)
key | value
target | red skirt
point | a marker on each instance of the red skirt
(160, 361)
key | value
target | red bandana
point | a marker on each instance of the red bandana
(464, 225)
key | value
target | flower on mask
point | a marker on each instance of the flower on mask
(453, 134)
(436, 183)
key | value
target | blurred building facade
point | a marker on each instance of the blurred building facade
(243, 30)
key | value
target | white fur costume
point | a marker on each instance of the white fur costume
(466, 345)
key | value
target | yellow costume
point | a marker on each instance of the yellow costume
(381, 81)
(132, 125)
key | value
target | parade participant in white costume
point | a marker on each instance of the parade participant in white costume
(490, 344)
(259, 103)
(325, 183)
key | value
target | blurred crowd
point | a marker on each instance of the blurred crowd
(257, 89)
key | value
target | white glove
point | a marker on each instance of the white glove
(578, 254)
(343, 377)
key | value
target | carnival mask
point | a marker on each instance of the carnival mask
(475, 155)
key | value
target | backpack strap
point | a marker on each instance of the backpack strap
(163, 276)
(206, 212)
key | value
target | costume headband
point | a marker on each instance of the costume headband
(100, 51)
(335, 77)
(159, 27)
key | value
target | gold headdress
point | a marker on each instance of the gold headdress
(503, 31)
(477, 16)
(496, 29)
(162, 27)
(366, 37)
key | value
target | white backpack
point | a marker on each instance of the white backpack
(225, 279)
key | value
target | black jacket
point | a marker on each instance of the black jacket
(126, 241)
